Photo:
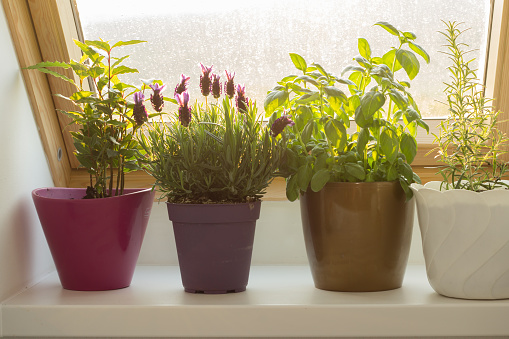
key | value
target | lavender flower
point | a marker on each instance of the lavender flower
(229, 86)
(216, 86)
(279, 125)
(184, 110)
(205, 80)
(241, 99)
(139, 111)
(182, 85)
(157, 98)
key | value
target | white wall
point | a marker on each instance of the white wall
(278, 239)
(24, 256)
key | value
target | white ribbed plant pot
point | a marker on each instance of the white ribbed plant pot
(465, 239)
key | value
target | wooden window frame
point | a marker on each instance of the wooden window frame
(45, 29)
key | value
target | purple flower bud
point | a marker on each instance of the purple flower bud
(205, 80)
(241, 99)
(216, 86)
(279, 125)
(229, 86)
(139, 111)
(182, 85)
(184, 110)
(156, 98)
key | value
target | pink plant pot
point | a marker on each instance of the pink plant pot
(95, 243)
(214, 245)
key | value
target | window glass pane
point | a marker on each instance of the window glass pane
(253, 38)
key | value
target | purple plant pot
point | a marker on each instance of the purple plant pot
(95, 243)
(214, 245)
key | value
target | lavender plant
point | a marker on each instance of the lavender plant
(105, 143)
(469, 141)
(382, 146)
(212, 153)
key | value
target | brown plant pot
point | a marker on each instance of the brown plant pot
(357, 235)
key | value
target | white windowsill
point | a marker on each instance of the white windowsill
(280, 301)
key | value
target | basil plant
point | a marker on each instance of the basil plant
(364, 134)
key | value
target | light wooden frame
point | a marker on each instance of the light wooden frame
(45, 29)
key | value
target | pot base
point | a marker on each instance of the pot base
(189, 290)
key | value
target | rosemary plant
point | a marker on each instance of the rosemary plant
(469, 142)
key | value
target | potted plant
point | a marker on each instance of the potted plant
(95, 234)
(463, 219)
(348, 159)
(213, 162)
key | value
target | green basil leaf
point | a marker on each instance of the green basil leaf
(408, 147)
(299, 62)
(364, 48)
(388, 27)
(419, 50)
(371, 102)
(409, 62)
(320, 178)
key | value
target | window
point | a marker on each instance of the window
(254, 38)
(235, 25)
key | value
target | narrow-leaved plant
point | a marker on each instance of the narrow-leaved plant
(217, 152)
(366, 136)
(469, 141)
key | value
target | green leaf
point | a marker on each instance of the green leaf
(332, 91)
(173, 101)
(388, 27)
(407, 172)
(424, 125)
(307, 131)
(351, 68)
(332, 133)
(408, 147)
(77, 96)
(411, 115)
(364, 48)
(398, 98)
(409, 62)
(306, 98)
(355, 170)
(274, 100)
(123, 70)
(307, 78)
(103, 45)
(419, 50)
(409, 35)
(320, 69)
(361, 120)
(292, 188)
(372, 102)
(55, 74)
(390, 60)
(390, 143)
(302, 116)
(125, 43)
(299, 62)
(304, 175)
(320, 178)
(362, 140)
(49, 64)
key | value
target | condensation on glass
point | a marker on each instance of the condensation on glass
(253, 38)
